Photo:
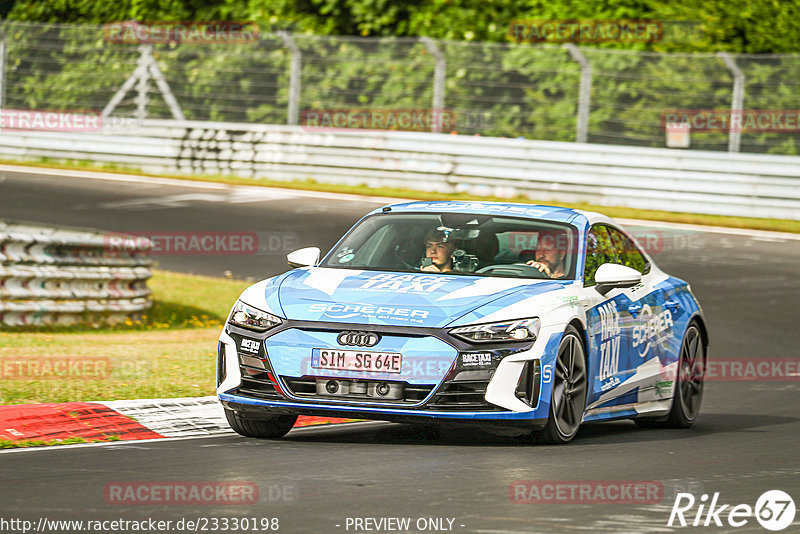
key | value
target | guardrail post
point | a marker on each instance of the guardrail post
(584, 93)
(439, 72)
(295, 70)
(737, 102)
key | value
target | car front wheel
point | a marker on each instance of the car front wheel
(275, 427)
(569, 391)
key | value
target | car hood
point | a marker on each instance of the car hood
(396, 299)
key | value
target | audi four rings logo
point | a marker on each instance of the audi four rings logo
(358, 339)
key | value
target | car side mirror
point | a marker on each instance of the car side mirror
(613, 275)
(304, 257)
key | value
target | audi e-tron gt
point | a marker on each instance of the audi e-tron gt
(526, 319)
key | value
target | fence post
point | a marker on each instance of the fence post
(439, 72)
(584, 93)
(737, 102)
(293, 113)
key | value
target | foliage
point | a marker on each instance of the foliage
(767, 26)
(496, 87)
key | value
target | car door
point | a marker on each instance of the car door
(651, 324)
(609, 324)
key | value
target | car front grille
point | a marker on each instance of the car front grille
(307, 388)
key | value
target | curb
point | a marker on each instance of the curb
(124, 420)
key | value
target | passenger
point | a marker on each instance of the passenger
(551, 249)
(439, 250)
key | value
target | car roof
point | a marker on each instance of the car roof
(581, 219)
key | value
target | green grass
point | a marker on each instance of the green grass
(779, 225)
(169, 353)
(11, 444)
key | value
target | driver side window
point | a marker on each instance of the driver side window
(599, 250)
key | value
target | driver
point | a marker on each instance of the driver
(439, 250)
(551, 249)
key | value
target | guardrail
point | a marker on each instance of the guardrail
(750, 185)
(65, 276)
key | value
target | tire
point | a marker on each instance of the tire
(570, 377)
(689, 381)
(275, 427)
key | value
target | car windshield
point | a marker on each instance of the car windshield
(459, 244)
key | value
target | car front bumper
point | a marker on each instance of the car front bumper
(272, 373)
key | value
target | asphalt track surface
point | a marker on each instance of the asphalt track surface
(744, 443)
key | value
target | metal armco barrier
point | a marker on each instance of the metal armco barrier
(59, 276)
(749, 185)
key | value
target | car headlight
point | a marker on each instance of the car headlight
(252, 318)
(516, 330)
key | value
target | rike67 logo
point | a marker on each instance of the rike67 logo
(774, 510)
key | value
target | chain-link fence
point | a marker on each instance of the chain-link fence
(546, 92)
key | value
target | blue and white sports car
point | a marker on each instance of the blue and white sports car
(520, 318)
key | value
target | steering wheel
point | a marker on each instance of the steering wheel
(398, 257)
(523, 270)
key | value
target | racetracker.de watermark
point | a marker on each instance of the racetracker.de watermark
(64, 368)
(181, 493)
(726, 120)
(752, 369)
(603, 31)
(167, 243)
(742, 370)
(405, 119)
(181, 32)
(51, 120)
(586, 491)
(55, 368)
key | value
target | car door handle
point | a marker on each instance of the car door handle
(635, 309)
(672, 304)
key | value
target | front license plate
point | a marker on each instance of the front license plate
(356, 360)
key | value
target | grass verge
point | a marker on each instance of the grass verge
(778, 225)
(170, 353)
(18, 443)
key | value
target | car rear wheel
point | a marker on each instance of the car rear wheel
(569, 391)
(689, 381)
(275, 427)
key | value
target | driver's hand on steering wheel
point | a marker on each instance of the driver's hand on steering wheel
(541, 266)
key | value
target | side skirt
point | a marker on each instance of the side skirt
(656, 408)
